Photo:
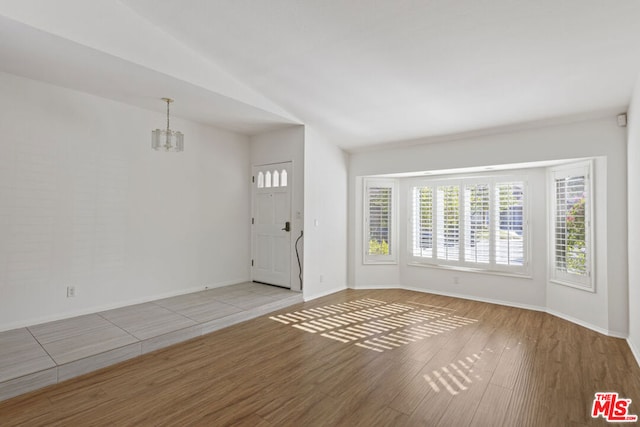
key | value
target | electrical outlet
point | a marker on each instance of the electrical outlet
(71, 291)
(456, 280)
(321, 278)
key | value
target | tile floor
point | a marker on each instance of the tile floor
(37, 356)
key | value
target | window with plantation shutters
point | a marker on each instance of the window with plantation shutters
(571, 226)
(448, 223)
(379, 220)
(509, 205)
(379, 241)
(477, 242)
(423, 209)
(478, 223)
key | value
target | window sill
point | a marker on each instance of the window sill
(524, 275)
(372, 262)
(588, 288)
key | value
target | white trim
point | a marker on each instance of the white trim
(324, 293)
(492, 181)
(456, 295)
(478, 299)
(606, 113)
(97, 309)
(586, 324)
(393, 257)
(386, 286)
(220, 284)
(634, 351)
(615, 334)
(588, 281)
(571, 284)
(294, 283)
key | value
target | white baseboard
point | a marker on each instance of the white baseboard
(225, 283)
(386, 286)
(97, 309)
(635, 351)
(587, 325)
(615, 334)
(311, 296)
(480, 299)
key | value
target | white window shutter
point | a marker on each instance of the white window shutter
(379, 225)
(509, 223)
(422, 221)
(571, 226)
(448, 223)
(477, 223)
(477, 242)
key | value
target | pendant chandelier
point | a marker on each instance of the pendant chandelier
(167, 139)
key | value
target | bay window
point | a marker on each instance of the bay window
(478, 223)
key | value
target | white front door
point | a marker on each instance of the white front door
(271, 224)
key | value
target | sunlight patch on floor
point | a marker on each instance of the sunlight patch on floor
(457, 376)
(373, 324)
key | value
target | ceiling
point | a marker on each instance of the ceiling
(39, 55)
(367, 72)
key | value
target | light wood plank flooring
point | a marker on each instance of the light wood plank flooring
(368, 358)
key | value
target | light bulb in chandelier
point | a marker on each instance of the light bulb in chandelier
(167, 139)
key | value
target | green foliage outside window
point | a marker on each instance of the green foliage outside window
(576, 244)
(378, 248)
(379, 220)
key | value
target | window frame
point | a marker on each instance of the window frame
(463, 182)
(584, 282)
(392, 257)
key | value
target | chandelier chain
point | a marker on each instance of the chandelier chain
(168, 102)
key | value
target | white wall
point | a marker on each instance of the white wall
(286, 145)
(604, 310)
(633, 159)
(325, 232)
(85, 201)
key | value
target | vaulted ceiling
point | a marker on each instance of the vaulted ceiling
(360, 72)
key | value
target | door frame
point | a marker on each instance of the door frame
(295, 228)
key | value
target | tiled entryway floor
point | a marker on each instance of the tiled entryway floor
(37, 356)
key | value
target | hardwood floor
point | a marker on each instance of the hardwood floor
(369, 358)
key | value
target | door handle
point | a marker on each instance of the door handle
(287, 226)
